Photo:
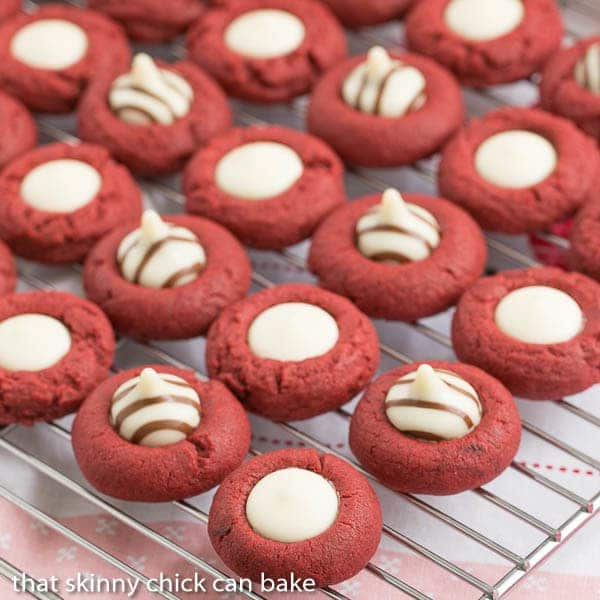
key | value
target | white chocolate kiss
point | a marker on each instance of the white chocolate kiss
(51, 44)
(265, 33)
(396, 231)
(155, 409)
(383, 86)
(61, 186)
(292, 505)
(32, 342)
(539, 314)
(482, 20)
(258, 170)
(433, 404)
(587, 70)
(159, 254)
(149, 95)
(292, 331)
(515, 159)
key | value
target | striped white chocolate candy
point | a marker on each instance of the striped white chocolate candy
(587, 70)
(155, 409)
(159, 254)
(384, 86)
(433, 404)
(396, 231)
(149, 95)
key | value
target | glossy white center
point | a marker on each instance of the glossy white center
(515, 159)
(258, 170)
(52, 44)
(265, 33)
(481, 20)
(32, 342)
(292, 331)
(292, 505)
(539, 314)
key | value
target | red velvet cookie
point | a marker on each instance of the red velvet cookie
(518, 170)
(570, 87)
(358, 13)
(295, 511)
(584, 252)
(144, 440)
(18, 132)
(267, 51)
(59, 199)
(537, 330)
(485, 42)
(435, 428)
(384, 110)
(142, 130)
(292, 351)
(168, 280)
(48, 57)
(54, 349)
(8, 273)
(270, 186)
(8, 8)
(151, 20)
(382, 255)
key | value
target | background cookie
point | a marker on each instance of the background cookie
(8, 272)
(356, 13)
(18, 131)
(584, 251)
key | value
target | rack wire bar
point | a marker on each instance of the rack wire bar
(75, 537)
(10, 573)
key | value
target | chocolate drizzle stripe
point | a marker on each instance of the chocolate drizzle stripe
(390, 257)
(396, 229)
(192, 270)
(129, 388)
(425, 435)
(409, 402)
(166, 424)
(144, 402)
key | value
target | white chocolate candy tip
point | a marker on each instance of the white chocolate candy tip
(428, 385)
(149, 381)
(153, 227)
(379, 62)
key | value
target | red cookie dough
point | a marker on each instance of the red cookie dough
(292, 390)
(8, 273)
(8, 8)
(48, 90)
(18, 132)
(534, 371)
(375, 141)
(169, 313)
(275, 222)
(562, 94)
(358, 13)
(49, 237)
(418, 466)
(28, 396)
(337, 554)
(143, 474)
(521, 210)
(151, 20)
(275, 79)
(584, 252)
(510, 57)
(408, 291)
(151, 150)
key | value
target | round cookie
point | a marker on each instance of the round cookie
(270, 186)
(59, 199)
(486, 42)
(384, 110)
(137, 470)
(292, 495)
(151, 20)
(584, 250)
(152, 286)
(48, 57)
(18, 131)
(168, 110)
(359, 13)
(8, 272)
(410, 428)
(570, 85)
(56, 346)
(391, 267)
(267, 51)
(482, 169)
(292, 351)
(8, 8)
(536, 330)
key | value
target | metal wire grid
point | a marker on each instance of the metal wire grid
(503, 252)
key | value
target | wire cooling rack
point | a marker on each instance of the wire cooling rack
(478, 519)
